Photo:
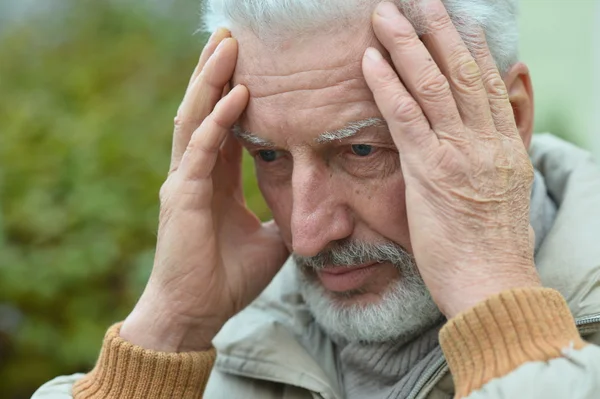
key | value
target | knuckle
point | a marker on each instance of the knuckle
(387, 83)
(512, 161)
(209, 81)
(495, 86)
(182, 123)
(467, 75)
(219, 121)
(178, 121)
(199, 147)
(433, 85)
(405, 109)
(478, 47)
(404, 36)
(528, 172)
(165, 192)
(440, 21)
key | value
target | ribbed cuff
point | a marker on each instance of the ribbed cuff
(125, 371)
(502, 333)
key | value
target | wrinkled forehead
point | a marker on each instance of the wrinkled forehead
(313, 83)
(311, 52)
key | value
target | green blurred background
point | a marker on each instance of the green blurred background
(88, 91)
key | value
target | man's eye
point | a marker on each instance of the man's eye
(268, 155)
(362, 150)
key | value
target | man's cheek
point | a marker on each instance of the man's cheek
(385, 211)
(279, 200)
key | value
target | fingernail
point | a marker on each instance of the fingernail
(214, 35)
(219, 32)
(386, 10)
(373, 54)
(221, 45)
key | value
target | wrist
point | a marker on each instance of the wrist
(161, 331)
(466, 294)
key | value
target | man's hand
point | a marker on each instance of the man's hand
(213, 255)
(467, 172)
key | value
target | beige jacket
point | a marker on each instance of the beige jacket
(273, 349)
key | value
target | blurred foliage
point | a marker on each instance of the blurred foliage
(88, 91)
(87, 102)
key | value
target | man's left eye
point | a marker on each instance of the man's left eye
(362, 150)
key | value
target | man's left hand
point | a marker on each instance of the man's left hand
(468, 176)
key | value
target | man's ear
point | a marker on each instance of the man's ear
(520, 91)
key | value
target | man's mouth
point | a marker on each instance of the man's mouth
(346, 278)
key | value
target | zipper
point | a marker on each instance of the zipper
(588, 325)
(441, 362)
(588, 320)
(427, 375)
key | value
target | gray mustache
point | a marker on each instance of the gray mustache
(353, 253)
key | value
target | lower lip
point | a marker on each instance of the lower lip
(348, 280)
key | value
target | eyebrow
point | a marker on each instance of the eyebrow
(350, 130)
(251, 138)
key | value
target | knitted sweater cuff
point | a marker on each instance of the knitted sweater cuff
(502, 333)
(124, 370)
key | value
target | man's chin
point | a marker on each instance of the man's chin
(358, 297)
(373, 313)
(355, 286)
(343, 280)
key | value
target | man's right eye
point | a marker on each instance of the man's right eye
(268, 155)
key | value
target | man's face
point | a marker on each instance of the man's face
(330, 172)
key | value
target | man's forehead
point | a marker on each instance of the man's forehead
(311, 52)
(306, 88)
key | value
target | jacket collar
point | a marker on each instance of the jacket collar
(276, 339)
(569, 258)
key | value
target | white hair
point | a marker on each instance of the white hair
(404, 309)
(270, 19)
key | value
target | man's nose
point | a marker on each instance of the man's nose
(320, 213)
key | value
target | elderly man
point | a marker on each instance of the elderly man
(391, 144)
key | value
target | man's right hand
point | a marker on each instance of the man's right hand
(213, 255)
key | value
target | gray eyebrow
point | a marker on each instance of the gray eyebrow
(251, 138)
(351, 129)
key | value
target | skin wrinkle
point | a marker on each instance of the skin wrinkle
(339, 84)
(294, 74)
(331, 104)
(320, 193)
(350, 130)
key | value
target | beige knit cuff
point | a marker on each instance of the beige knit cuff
(505, 331)
(125, 371)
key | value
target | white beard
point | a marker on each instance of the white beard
(405, 309)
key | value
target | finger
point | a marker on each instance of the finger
(202, 151)
(200, 99)
(456, 62)
(226, 89)
(416, 68)
(271, 225)
(215, 39)
(497, 93)
(232, 150)
(407, 123)
(232, 153)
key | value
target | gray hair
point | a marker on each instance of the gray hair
(405, 309)
(272, 19)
